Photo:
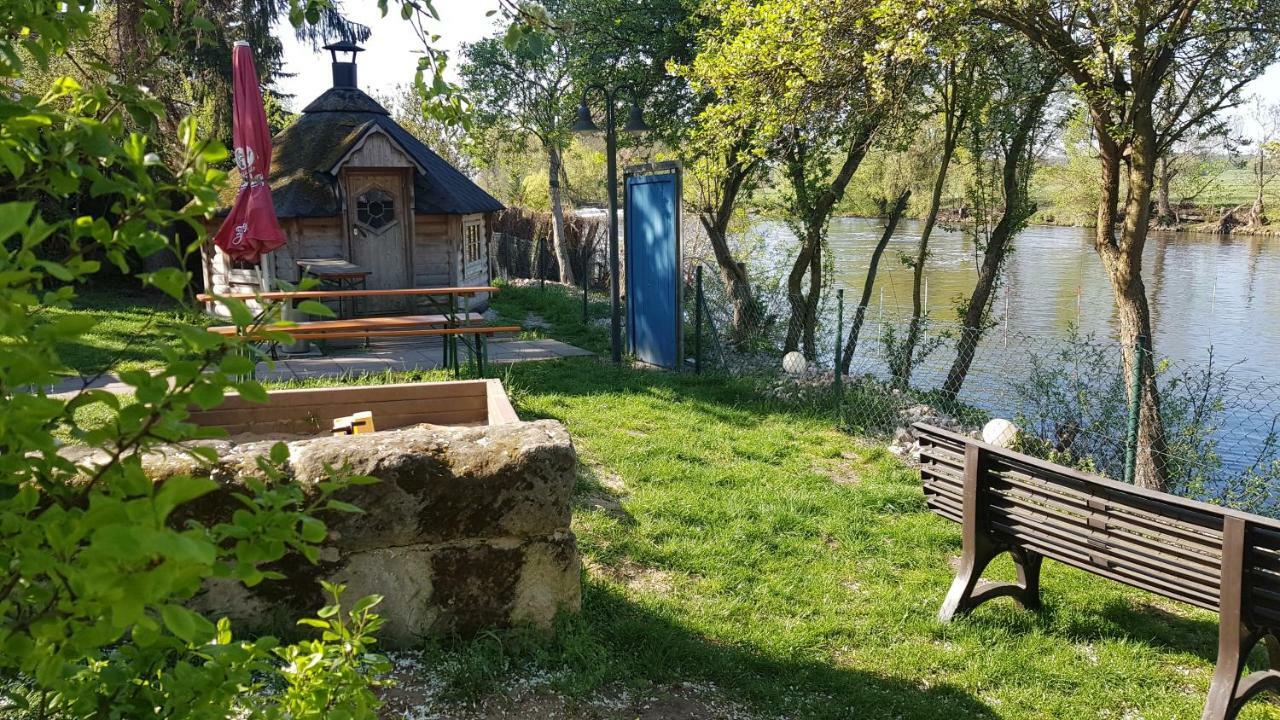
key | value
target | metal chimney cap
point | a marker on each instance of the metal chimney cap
(344, 46)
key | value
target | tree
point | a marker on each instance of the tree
(1004, 150)
(868, 285)
(193, 77)
(792, 76)
(1120, 56)
(955, 94)
(720, 176)
(446, 139)
(815, 185)
(522, 90)
(1266, 156)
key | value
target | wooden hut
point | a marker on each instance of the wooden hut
(352, 186)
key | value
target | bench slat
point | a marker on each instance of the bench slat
(472, 330)
(388, 322)
(1081, 561)
(1165, 508)
(1159, 568)
(1195, 548)
(1177, 561)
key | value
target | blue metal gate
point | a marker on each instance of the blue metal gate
(652, 216)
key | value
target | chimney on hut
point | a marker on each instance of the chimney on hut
(344, 72)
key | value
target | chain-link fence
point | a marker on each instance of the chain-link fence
(1067, 393)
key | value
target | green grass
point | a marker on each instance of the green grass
(133, 325)
(746, 542)
(737, 558)
(560, 308)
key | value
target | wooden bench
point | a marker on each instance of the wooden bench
(451, 323)
(1200, 554)
(384, 327)
(361, 327)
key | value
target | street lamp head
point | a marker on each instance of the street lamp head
(635, 120)
(584, 123)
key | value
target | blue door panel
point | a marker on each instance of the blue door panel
(652, 272)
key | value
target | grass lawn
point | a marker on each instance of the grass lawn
(747, 546)
(750, 546)
(133, 324)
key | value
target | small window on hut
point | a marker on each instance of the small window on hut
(471, 241)
(375, 210)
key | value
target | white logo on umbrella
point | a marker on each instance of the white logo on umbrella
(250, 177)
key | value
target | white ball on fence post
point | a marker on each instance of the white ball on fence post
(794, 363)
(1000, 432)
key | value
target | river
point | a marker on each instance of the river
(1205, 291)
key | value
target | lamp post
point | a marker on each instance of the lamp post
(635, 124)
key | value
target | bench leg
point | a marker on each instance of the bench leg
(1236, 637)
(969, 590)
(1229, 691)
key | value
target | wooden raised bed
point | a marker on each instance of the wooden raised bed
(312, 410)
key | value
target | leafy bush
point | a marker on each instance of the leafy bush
(95, 570)
(1072, 407)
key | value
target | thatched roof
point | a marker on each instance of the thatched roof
(305, 152)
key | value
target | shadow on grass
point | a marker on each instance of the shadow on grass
(617, 642)
(734, 403)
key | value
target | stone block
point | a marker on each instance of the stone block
(468, 529)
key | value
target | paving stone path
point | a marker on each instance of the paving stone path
(382, 356)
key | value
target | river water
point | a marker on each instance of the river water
(1205, 291)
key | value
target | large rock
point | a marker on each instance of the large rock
(468, 528)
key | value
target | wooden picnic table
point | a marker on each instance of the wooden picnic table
(337, 274)
(465, 292)
(444, 300)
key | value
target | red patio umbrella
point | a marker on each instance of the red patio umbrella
(251, 228)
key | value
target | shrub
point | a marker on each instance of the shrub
(94, 570)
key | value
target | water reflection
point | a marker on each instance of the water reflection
(1204, 290)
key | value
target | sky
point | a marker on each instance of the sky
(392, 51)
(391, 54)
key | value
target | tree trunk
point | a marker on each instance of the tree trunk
(796, 299)
(905, 356)
(559, 243)
(1165, 215)
(1257, 213)
(716, 218)
(868, 285)
(1122, 259)
(737, 283)
(815, 297)
(1016, 211)
(814, 204)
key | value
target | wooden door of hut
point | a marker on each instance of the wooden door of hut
(381, 220)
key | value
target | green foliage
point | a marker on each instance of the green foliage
(327, 678)
(98, 560)
(1073, 410)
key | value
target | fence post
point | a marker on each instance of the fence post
(839, 391)
(586, 283)
(1135, 412)
(697, 320)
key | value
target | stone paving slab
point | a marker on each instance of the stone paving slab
(399, 356)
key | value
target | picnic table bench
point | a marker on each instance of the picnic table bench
(449, 322)
(1204, 555)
